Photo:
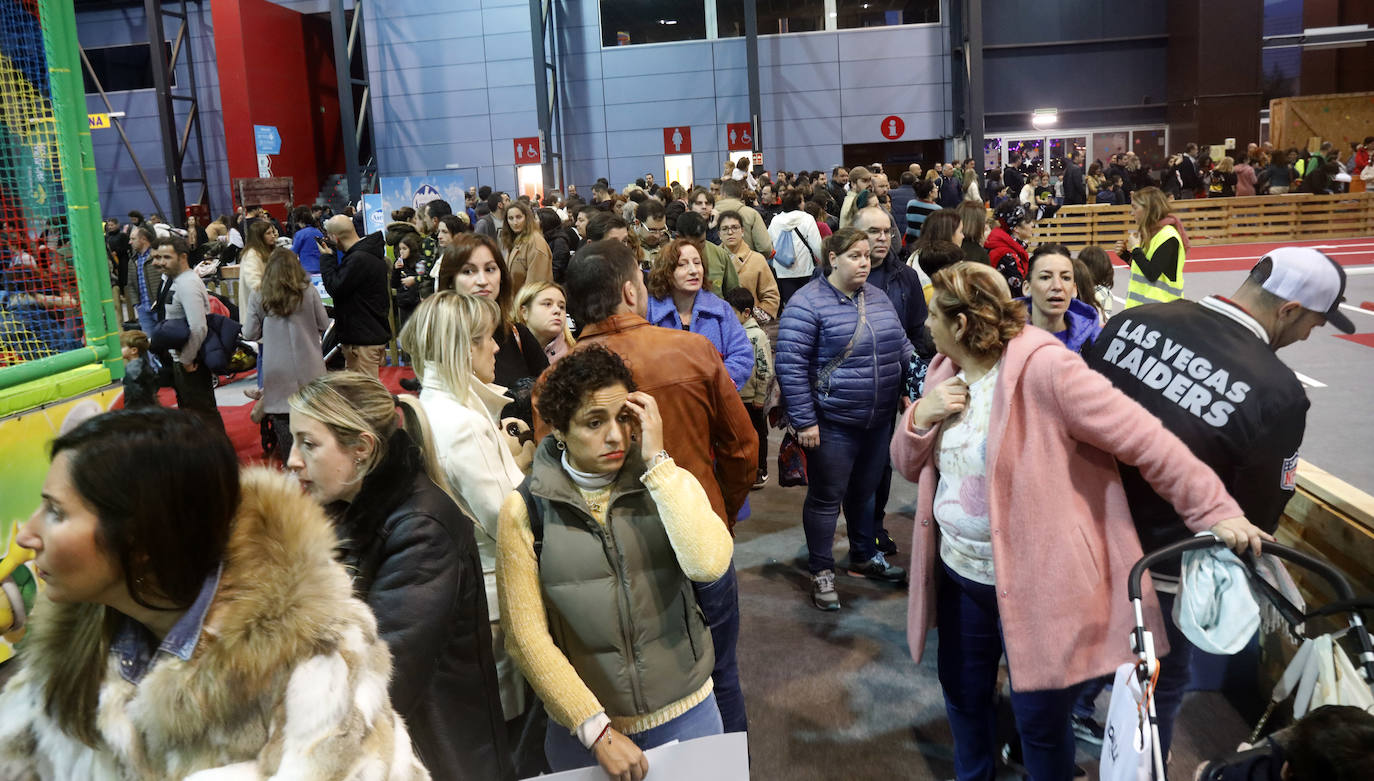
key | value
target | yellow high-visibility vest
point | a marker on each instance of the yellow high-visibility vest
(1162, 290)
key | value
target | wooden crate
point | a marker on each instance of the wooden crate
(1333, 520)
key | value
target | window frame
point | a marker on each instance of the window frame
(713, 23)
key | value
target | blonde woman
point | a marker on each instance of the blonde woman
(450, 339)
(1156, 250)
(414, 561)
(527, 253)
(543, 308)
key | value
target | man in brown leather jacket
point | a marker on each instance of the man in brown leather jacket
(706, 428)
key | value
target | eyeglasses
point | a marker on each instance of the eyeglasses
(731, 228)
(879, 231)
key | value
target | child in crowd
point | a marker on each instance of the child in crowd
(1100, 269)
(140, 380)
(754, 392)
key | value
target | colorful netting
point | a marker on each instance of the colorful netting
(40, 307)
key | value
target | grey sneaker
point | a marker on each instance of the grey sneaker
(877, 568)
(823, 594)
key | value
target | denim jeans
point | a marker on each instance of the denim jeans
(843, 471)
(970, 651)
(565, 752)
(146, 321)
(719, 602)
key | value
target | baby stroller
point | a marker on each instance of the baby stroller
(1143, 743)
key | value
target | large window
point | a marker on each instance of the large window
(774, 17)
(628, 22)
(883, 13)
(121, 68)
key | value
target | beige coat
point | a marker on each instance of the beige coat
(757, 278)
(755, 229)
(288, 679)
(530, 260)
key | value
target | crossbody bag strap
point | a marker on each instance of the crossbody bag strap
(823, 376)
(805, 243)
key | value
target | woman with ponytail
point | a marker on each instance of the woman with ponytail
(413, 558)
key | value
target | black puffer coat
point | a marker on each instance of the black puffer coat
(413, 558)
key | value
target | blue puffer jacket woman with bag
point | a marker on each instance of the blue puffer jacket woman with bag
(840, 359)
(679, 298)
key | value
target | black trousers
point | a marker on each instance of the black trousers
(196, 393)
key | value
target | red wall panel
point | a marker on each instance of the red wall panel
(275, 70)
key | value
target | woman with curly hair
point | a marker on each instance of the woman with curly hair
(680, 297)
(527, 253)
(1002, 555)
(598, 551)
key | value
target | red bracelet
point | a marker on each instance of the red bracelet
(604, 730)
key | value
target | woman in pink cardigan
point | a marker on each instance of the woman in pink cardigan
(1015, 446)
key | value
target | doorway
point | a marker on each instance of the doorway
(895, 156)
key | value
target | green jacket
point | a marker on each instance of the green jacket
(619, 606)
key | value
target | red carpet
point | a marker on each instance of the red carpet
(246, 435)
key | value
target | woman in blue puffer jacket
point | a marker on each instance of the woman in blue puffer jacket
(680, 297)
(840, 358)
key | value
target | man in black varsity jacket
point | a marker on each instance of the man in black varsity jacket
(1207, 369)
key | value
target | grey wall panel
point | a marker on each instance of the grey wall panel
(1017, 79)
(891, 100)
(615, 101)
(860, 129)
(507, 18)
(893, 71)
(799, 49)
(881, 43)
(390, 25)
(636, 89)
(574, 39)
(505, 128)
(659, 114)
(1029, 21)
(430, 105)
(461, 51)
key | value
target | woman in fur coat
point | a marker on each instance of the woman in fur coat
(194, 624)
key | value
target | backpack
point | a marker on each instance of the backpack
(785, 252)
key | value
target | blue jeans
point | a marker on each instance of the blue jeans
(970, 651)
(719, 602)
(146, 321)
(565, 752)
(844, 471)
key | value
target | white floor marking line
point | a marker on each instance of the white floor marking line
(1361, 310)
(1309, 382)
(1359, 270)
(1257, 257)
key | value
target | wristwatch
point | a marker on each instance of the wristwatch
(657, 458)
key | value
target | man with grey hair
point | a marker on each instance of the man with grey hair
(358, 282)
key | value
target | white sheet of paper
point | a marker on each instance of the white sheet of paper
(717, 757)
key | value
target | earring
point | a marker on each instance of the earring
(558, 443)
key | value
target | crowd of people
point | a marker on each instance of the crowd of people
(528, 565)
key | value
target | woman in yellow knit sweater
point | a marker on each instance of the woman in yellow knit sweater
(598, 549)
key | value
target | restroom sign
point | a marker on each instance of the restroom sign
(677, 140)
(739, 136)
(527, 151)
(893, 127)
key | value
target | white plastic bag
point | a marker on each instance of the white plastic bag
(1322, 674)
(1127, 737)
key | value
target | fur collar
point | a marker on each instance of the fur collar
(281, 600)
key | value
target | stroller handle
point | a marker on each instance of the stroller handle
(1307, 561)
(1333, 576)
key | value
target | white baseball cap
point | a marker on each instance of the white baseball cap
(1310, 278)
